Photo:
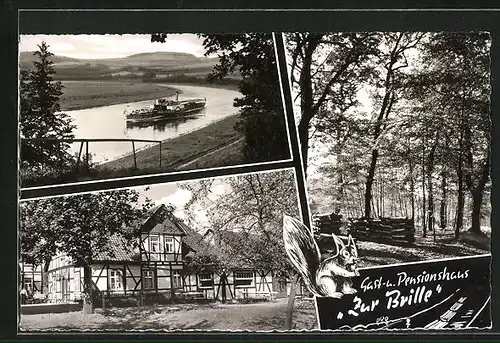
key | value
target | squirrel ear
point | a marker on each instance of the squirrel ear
(339, 244)
(352, 244)
(350, 241)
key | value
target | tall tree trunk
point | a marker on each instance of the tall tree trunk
(381, 196)
(291, 302)
(341, 187)
(430, 207)
(443, 207)
(45, 276)
(477, 195)
(412, 191)
(303, 129)
(460, 201)
(424, 222)
(306, 100)
(369, 183)
(477, 201)
(385, 109)
(462, 142)
(430, 187)
(88, 305)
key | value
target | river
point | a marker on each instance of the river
(109, 122)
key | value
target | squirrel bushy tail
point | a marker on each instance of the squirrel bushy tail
(302, 251)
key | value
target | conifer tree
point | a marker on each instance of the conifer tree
(41, 117)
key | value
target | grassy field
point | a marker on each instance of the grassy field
(228, 155)
(265, 316)
(176, 153)
(86, 94)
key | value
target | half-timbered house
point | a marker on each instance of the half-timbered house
(154, 265)
(238, 280)
(31, 277)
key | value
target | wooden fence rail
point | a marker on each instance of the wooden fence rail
(85, 142)
(395, 231)
(329, 223)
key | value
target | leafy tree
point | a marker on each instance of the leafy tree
(470, 54)
(326, 72)
(41, 117)
(393, 60)
(203, 261)
(456, 78)
(253, 206)
(430, 124)
(79, 226)
(263, 118)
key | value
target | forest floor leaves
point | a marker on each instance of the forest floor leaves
(442, 246)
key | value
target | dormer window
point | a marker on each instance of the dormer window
(154, 244)
(169, 244)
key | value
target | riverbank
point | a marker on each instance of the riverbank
(215, 145)
(79, 95)
(228, 86)
(178, 153)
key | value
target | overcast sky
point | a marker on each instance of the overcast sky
(111, 46)
(173, 194)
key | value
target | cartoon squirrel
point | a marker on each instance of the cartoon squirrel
(328, 275)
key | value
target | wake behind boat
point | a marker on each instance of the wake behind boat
(167, 109)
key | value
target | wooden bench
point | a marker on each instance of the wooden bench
(266, 294)
(194, 295)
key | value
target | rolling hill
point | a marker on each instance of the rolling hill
(141, 65)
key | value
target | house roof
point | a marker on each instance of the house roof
(194, 242)
(233, 247)
(162, 220)
(118, 250)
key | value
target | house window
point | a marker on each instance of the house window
(148, 279)
(206, 280)
(115, 280)
(176, 280)
(243, 278)
(169, 244)
(154, 244)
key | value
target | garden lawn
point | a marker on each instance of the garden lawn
(263, 316)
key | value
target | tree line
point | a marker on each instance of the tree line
(401, 121)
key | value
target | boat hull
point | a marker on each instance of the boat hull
(154, 116)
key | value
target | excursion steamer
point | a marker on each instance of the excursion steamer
(167, 109)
